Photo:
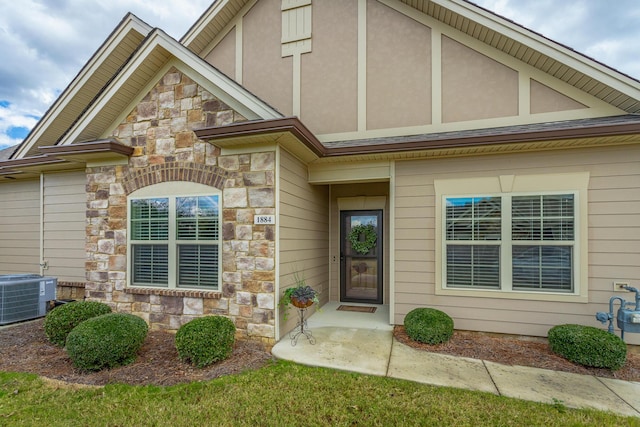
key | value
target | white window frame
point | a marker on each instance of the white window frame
(173, 191)
(516, 185)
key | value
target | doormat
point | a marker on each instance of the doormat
(357, 308)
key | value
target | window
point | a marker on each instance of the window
(513, 236)
(174, 241)
(521, 242)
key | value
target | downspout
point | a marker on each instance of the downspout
(277, 245)
(392, 242)
(331, 249)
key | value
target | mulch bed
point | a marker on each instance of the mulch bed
(25, 348)
(522, 351)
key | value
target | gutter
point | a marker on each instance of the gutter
(626, 125)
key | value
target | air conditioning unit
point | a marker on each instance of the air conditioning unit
(25, 296)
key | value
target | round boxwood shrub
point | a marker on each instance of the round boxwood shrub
(588, 346)
(106, 341)
(62, 319)
(428, 325)
(205, 340)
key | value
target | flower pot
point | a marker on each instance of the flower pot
(298, 303)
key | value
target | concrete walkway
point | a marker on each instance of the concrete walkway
(364, 343)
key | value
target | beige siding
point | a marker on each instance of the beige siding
(20, 227)
(64, 226)
(613, 237)
(303, 231)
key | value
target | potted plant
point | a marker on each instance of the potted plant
(300, 295)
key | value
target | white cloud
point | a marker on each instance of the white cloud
(606, 31)
(12, 117)
(44, 43)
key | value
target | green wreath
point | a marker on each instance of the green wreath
(370, 238)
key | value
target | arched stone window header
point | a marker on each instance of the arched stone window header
(212, 176)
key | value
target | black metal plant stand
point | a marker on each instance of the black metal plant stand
(301, 329)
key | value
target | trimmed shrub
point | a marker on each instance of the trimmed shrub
(588, 346)
(62, 319)
(205, 340)
(106, 341)
(428, 325)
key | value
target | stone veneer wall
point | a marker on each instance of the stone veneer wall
(160, 129)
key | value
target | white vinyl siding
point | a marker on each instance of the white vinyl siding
(175, 241)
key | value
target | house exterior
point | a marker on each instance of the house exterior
(396, 152)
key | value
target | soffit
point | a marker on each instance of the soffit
(211, 23)
(502, 148)
(128, 90)
(288, 132)
(156, 56)
(593, 132)
(86, 86)
(63, 158)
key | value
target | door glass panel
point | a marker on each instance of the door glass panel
(362, 256)
(362, 278)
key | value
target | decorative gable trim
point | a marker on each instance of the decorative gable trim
(296, 27)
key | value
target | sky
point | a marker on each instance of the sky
(44, 43)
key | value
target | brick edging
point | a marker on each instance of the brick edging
(71, 284)
(174, 293)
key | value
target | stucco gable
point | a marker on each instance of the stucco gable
(460, 17)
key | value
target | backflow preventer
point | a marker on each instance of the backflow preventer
(628, 319)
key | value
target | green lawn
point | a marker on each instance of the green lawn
(282, 394)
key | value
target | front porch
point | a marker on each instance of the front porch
(330, 316)
(356, 341)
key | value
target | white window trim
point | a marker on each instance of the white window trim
(575, 183)
(172, 190)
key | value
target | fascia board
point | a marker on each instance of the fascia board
(577, 61)
(202, 22)
(131, 23)
(196, 29)
(158, 39)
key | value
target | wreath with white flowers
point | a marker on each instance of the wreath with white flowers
(370, 238)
